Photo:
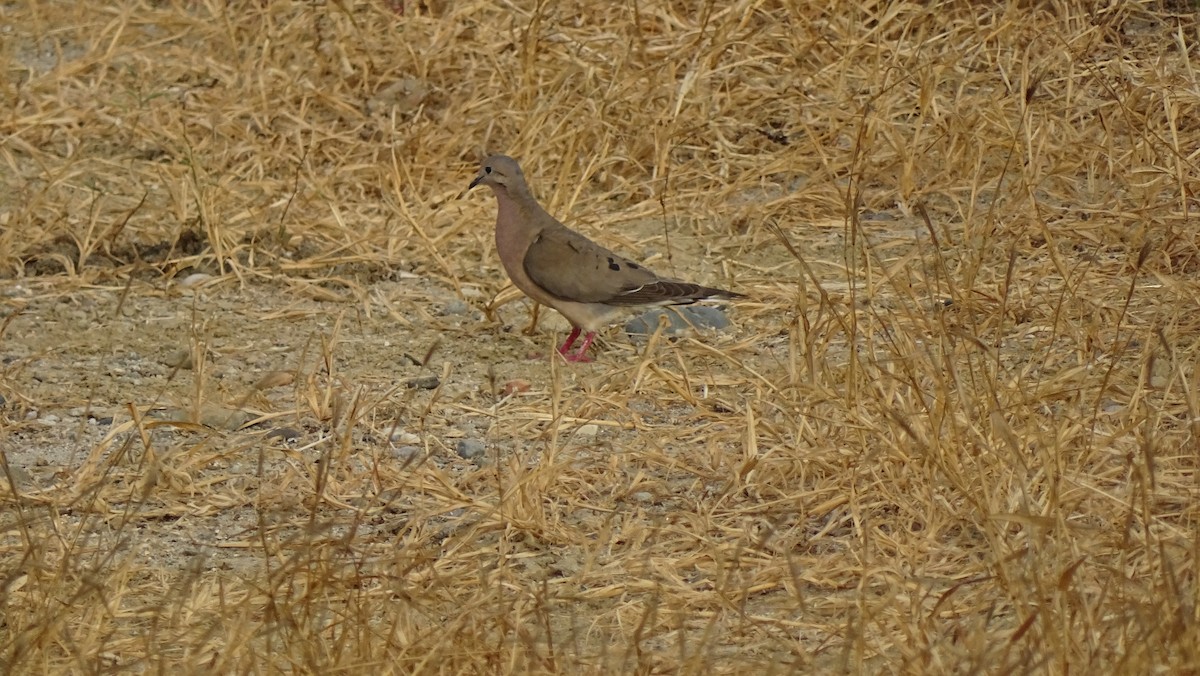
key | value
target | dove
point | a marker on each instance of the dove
(560, 268)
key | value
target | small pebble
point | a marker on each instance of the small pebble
(469, 449)
(22, 477)
(284, 433)
(589, 430)
(401, 436)
(181, 359)
(194, 279)
(219, 417)
(275, 379)
(423, 382)
(407, 454)
(644, 497)
(455, 307)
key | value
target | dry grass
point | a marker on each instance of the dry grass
(955, 430)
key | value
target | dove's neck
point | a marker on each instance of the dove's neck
(516, 219)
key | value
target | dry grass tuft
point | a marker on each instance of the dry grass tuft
(267, 406)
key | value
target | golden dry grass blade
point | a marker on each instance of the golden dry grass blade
(952, 430)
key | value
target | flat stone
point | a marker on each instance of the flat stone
(707, 317)
(272, 379)
(284, 433)
(403, 436)
(181, 359)
(210, 415)
(423, 382)
(679, 320)
(408, 454)
(469, 449)
(456, 307)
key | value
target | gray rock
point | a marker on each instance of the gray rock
(408, 454)
(469, 449)
(456, 307)
(423, 382)
(679, 320)
(210, 415)
(404, 437)
(706, 317)
(23, 478)
(284, 433)
(179, 359)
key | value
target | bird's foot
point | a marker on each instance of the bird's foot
(579, 355)
(566, 346)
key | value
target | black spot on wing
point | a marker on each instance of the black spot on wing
(613, 265)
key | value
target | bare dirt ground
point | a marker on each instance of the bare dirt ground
(269, 403)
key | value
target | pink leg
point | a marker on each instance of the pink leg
(581, 354)
(569, 341)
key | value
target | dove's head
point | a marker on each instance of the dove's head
(502, 174)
